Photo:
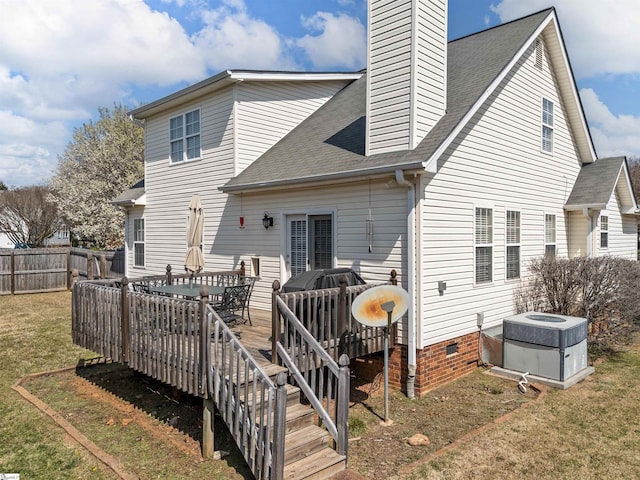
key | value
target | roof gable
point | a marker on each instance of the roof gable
(330, 143)
(598, 181)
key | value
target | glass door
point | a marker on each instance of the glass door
(309, 243)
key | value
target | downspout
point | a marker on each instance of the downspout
(411, 248)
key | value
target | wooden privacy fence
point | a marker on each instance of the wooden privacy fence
(35, 270)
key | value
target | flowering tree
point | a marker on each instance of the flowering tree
(104, 159)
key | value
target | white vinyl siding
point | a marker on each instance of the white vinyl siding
(550, 235)
(265, 112)
(547, 125)
(621, 231)
(237, 124)
(405, 100)
(496, 161)
(512, 245)
(184, 135)
(484, 245)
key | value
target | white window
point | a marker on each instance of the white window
(63, 232)
(184, 135)
(484, 245)
(513, 245)
(604, 231)
(547, 125)
(138, 242)
(550, 235)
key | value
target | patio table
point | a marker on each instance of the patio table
(186, 290)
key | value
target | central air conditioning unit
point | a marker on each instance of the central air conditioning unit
(546, 345)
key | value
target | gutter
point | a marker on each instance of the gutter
(411, 284)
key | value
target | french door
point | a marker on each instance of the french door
(309, 243)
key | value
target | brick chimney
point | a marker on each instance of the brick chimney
(406, 72)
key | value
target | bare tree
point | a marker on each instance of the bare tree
(26, 216)
(634, 173)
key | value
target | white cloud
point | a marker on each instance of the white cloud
(601, 37)
(27, 149)
(232, 39)
(612, 134)
(341, 41)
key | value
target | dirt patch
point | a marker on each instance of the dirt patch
(132, 416)
(443, 415)
(139, 421)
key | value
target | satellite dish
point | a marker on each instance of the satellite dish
(368, 308)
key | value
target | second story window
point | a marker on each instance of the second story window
(604, 231)
(547, 125)
(184, 135)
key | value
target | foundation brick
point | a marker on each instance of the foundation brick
(434, 366)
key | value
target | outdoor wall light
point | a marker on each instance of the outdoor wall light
(267, 221)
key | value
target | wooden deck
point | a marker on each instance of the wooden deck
(257, 337)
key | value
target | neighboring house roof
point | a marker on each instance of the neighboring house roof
(330, 144)
(596, 183)
(132, 197)
(229, 77)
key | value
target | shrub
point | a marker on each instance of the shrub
(602, 289)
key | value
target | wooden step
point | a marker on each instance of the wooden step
(304, 442)
(318, 466)
(299, 416)
(293, 395)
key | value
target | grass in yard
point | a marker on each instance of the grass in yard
(126, 415)
(590, 431)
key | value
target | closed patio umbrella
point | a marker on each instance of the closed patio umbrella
(194, 260)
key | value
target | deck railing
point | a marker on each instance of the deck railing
(249, 402)
(326, 314)
(324, 383)
(171, 340)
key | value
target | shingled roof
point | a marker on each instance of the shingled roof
(331, 142)
(595, 184)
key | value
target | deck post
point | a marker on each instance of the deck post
(342, 414)
(169, 277)
(205, 341)
(342, 308)
(124, 319)
(208, 431)
(279, 428)
(103, 266)
(275, 323)
(243, 269)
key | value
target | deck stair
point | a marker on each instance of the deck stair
(308, 451)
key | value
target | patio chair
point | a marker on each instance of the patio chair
(251, 282)
(140, 287)
(233, 303)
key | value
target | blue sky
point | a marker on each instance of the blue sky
(61, 60)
